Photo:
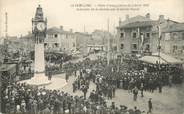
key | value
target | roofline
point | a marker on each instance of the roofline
(173, 31)
(173, 21)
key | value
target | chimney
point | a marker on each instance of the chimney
(61, 27)
(148, 15)
(161, 18)
(127, 17)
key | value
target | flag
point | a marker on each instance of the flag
(139, 39)
(138, 31)
(159, 37)
(142, 40)
(159, 33)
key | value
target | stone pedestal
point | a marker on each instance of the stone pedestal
(39, 78)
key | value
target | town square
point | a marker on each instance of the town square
(115, 62)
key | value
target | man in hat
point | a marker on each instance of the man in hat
(135, 93)
(142, 89)
(84, 90)
(113, 105)
(123, 109)
(150, 106)
(50, 75)
(136, 111)
(113, 90)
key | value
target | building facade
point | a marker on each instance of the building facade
(82, 39)
(173, 40)
(101, 39)
(140, 34)
(59, 40)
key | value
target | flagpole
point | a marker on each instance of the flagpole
(6, 38)
(139, 43)
(108, 52)
(159, 37)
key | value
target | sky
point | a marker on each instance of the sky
(60, 12)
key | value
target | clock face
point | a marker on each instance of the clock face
(40, 26)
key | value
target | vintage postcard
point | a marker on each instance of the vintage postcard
(92, 56)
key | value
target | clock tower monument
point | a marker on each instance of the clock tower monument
(39, 27)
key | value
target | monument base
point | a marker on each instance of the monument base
(56, 83)
(38, 80)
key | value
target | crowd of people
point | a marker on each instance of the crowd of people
(130, 75)
(24, 99)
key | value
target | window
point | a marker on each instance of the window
(122, 46)
(147, 35)
(147, 47)
(45, 44)
(175, 36)
(56, 45)
(122, 35)
(167, 36)
(134, 35)
(134, 46)
(55, 35)
(175, 48)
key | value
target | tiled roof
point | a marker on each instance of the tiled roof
(175, 28)
(140, 24)
(55, 30)
(135, 19)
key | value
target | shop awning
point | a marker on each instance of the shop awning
(168, 58)
(163, 59)
(152, 59)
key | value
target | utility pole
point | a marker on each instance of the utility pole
(114, 35)
(118, 37)
(6, 37)
(108, 52)
(139, 40)
(159, 47)
(6, 25)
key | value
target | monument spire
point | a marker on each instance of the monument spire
(39, 31)
(39, 13)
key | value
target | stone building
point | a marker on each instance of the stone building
(172, 41)
(82, 39)
(58, 39)
(99, 39)
(140, 34)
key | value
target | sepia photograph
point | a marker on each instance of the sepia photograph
(92, 56)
